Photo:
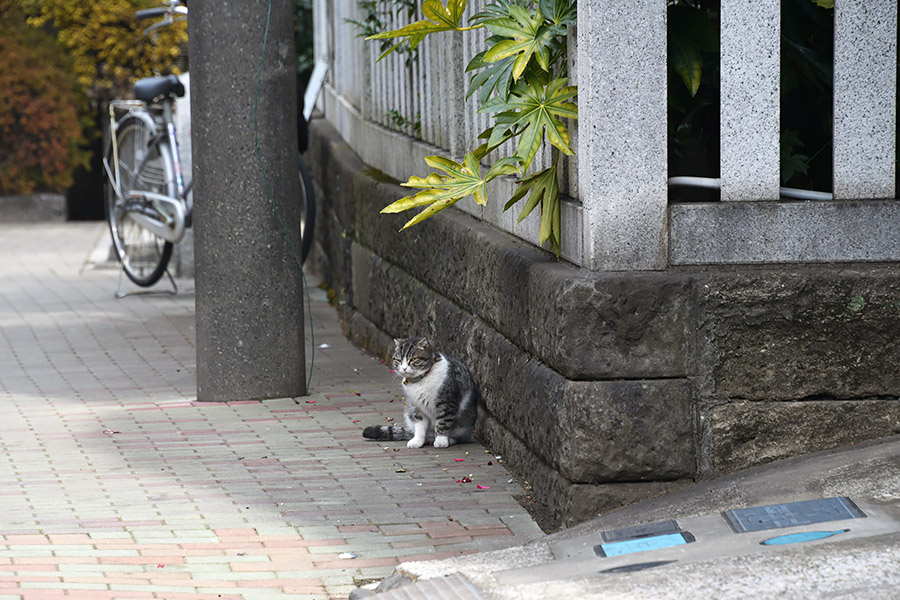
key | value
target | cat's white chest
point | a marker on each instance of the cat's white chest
(424, 392)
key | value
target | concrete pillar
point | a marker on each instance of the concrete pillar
(248, 284)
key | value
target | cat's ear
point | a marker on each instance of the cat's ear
(397, 342)
(422, 343)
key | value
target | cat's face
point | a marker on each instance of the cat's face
(413, 357)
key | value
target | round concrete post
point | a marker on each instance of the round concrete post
(249, 288)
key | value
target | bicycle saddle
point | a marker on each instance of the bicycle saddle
(150, 88)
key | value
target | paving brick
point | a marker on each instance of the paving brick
(68, 585)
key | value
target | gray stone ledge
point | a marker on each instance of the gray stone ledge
(784, 232)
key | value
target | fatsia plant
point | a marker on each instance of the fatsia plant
(521, 80)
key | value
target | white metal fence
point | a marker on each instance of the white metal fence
(393, 114)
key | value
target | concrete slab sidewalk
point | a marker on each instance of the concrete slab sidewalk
(116, 483)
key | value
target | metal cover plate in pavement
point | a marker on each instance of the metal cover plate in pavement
(792, 514)
(643, 544)
(640, 531)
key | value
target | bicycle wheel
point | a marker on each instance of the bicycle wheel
(307, 212)
(146, 166)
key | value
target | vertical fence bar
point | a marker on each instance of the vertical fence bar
(439, 91)
(622, 133)
(398, 80)
(456, 109)
(571, 163)
(445, 64)
(379, 83)
(322, 42)
(865, 98)
(750, 107)
(345, 55)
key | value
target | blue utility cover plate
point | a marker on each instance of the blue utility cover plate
(643, 544)
(803, 536)
(792, 514)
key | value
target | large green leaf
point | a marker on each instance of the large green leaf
(519, 36)
(559, 12)
(439, 18)
(792, 162)
(544, 188)
(690, 32)
(495, 76)
(505, 128)
(495, 135)
(497, 9)
(527, 36)
(457, 182)
(686, 61)
(533, 109)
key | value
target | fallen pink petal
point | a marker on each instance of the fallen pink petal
(310, 401)
(483, 487)
(458, 459)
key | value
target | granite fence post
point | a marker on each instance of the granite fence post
(622, 163)
(249, 287)
(865, 99)
(750, 109)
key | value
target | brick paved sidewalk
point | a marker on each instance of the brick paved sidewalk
(115, 483)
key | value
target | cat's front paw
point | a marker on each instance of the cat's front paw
(415, 443)
(441, 441)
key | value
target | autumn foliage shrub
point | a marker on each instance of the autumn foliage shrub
(107, 44)
(61, 61)
(41, 107)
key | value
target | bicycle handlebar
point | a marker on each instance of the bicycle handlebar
(149, 13)
(171, 11)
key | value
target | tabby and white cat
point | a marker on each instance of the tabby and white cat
(441, 397)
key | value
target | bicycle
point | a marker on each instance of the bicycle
(148, 201)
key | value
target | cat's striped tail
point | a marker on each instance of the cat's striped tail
(385, 433)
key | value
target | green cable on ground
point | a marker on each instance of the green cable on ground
(272, 197)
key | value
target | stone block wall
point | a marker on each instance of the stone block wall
(603, 388)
